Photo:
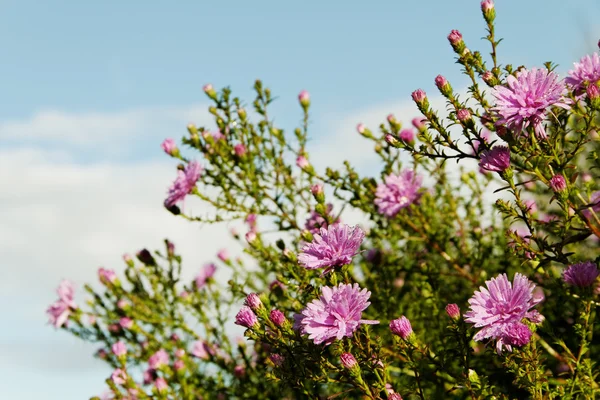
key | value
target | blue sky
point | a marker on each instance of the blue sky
(91, 88)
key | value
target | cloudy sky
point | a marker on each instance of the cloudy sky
(91, 88)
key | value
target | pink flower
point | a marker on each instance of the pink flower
(487, 5)
(178, 365)
(525, 100)
(223, 255)
(500, 308)
(360, 128)
(586, 72)
(401, 327)
(161, 384)
(419, 123)
(107, 275)
(302, 162)
(206, 273)
(398, 192)
(119, 377)
(332, 247)
(581, 274)
(119, 349)
(184, 184)
(158, 359)
(496, 159)
(246, 317)
(239, 371)
(240, 150)
(201, 350)
(336, 314)
(126, 322)
(169, 147)
(59, 311)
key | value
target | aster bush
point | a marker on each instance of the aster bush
(473, 273)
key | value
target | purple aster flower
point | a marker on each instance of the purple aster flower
(59, 311)
(586, 72)
(315, 221)
(170, 147)
(581, 274)
(525, 100)
(205, 274)
(332, 247)
(398, 192)
(500, 309)
(184, 184)
(336, 314)
(246, 317)
(253, 301)
(496, 159)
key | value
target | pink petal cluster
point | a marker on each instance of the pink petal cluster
(500, 309)
(205, 274)
(525, 100)
(581, 274)
(246, 317)
(398, 192)
(332, 247)
(184, 184)
(336, 314)
(107, 275)
(59, 311)
(585, 72)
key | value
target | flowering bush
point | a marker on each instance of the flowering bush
(437, 294)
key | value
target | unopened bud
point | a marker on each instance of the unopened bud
(210, 91)
(348, 361)
(304, 99)
(391, 140)
(456, 41)
(487, 8)
(443, 85)
(317, 192)
(453, 311)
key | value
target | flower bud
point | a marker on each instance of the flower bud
(489, 78)
(558, 183)
(119, 377)
(240, 150)
(456, 41)
(169, 147)
(119, 349)
(126, 323)
(178, 365)
(179, 353)
(317, 192)
(253, 301)
(407, 136)
(304, 99)
(348, 361)
(107, 276)
(239, 371)
(401, 327)
(443, 85)
(277, 359)
(242, 113)
(302, 162)
(210, 91)
(593, 94)
(251, 237)
(392, 119)
(463, 115)
(453, 311)
(128, 260)
(394, 396)
(487, 8)
(419, 123)
(277, 318)
(223, 255)
(161, 384)
(419, 96)
(391, 140)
